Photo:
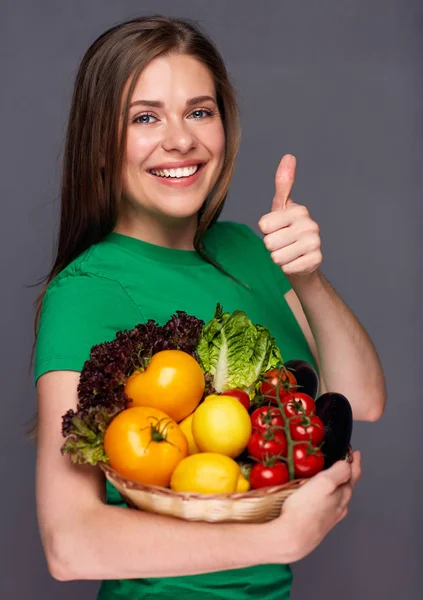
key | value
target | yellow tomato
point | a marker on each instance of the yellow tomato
(186, 426)
(145, 445)
(208, 473)
(173, 382)
(221, 424)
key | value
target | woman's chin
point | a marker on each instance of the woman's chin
(175, 212)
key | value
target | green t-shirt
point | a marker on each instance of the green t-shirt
(123, 281)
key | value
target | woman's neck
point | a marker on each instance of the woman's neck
(170, 233)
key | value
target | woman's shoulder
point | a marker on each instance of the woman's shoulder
(95, 264)
(88, 290)
(82, 306)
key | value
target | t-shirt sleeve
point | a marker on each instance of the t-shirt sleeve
(79, 311)
(262, 255)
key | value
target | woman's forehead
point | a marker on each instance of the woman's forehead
(173, 78)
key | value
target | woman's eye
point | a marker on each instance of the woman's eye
(145, 119)
(200, 113)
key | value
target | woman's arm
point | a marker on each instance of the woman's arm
(83, 538)
(348, 360)
(346, 355)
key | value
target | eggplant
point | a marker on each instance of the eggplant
(335, 411)
(306, 376)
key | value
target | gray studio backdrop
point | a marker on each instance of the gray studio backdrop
(339, 84)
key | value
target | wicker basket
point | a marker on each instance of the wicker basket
(254, 506)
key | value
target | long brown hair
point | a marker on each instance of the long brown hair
(91, 194)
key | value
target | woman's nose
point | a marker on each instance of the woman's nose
(179, 137)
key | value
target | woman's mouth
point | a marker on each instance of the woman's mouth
(178, 173)
(182, 176)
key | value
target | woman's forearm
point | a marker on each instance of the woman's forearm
(117, 543)
(347, 356)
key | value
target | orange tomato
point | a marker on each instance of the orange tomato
(173, 382)
(145, 445)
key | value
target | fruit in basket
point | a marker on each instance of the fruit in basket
(208, 473)
(173, 382)
(266, 416)
(241, 395)
(306, 376)
(271, 443)
(186, 426)
(336, 414)
(298, 404)
(277, 380)
(308, 461)
(145, 445)
(221, 424)
(305, 428)
(265, 475)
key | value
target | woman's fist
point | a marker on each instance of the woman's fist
(290, 234)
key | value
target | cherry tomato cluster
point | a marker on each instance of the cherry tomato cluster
(286, 438)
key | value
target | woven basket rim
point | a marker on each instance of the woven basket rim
(129, 484)
(155, 489)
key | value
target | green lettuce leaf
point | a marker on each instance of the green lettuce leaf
(235, 351)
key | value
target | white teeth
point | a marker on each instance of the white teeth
(176, 173)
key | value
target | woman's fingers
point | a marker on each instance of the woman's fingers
(345, 491)
(356, 468)
(293, 250)
(338, 474)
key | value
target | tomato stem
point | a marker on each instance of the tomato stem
(158, 432)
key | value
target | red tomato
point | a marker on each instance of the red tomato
(292, 405)
(304, 429)
(263, 476)
(280, 379)
(266, 416)
(240, 395)
(263, 446)
(307, 462)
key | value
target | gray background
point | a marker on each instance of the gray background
(338, 84)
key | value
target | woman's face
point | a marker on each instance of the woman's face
(175, 139)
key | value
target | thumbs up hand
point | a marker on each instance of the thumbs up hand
(290, 234)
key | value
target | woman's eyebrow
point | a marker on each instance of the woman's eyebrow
(160, 104)
(199, 99)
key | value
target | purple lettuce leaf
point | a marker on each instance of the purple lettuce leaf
(101, 393)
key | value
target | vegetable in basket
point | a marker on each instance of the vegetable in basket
(235, 351)
(172, 381)
(234, 364)
(145, 445)
(336, 414)
(293, 430)
(101, 389)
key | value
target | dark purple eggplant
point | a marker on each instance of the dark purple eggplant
(306, 376)
(335, 412)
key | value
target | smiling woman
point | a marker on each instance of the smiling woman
(174, 151)
(151, 144)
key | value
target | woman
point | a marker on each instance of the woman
(151, 144)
